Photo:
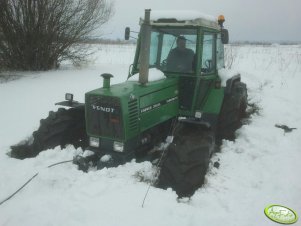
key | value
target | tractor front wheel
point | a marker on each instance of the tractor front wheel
(185, 164)
(58, 129)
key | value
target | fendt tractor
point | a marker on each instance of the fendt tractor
(173, 96)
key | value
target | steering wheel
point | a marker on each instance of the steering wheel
(207, 68)
(208, 64)
(163, 64)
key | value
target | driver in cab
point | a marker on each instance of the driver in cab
(180, 59)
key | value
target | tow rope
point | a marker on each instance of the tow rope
(28, 181)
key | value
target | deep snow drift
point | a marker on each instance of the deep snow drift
(260, 168)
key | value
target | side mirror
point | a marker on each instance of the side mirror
(225, 36)
(127, 33)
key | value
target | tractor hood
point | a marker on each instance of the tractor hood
(119, 111)
(132, 89)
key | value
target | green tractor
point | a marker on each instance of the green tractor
(173, 96)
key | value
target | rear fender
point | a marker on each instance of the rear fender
(69, 102)
(230, 83)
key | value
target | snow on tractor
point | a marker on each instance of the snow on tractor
(173, 94)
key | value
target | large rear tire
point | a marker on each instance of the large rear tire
(233, 110)
(185, 165)
(58, 129)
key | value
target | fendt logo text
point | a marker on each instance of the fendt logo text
(104, 109)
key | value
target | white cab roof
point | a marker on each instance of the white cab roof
(182, 18)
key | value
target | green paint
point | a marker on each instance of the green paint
(214, 101)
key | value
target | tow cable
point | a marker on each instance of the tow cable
(28, 181)
(168, 141)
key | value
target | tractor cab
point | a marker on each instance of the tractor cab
(183, 45)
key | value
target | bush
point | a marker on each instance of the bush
(39, 34)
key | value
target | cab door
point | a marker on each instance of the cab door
(207, 71)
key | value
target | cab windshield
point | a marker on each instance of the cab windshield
(173, 49)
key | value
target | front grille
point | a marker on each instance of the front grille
(104, 116)
(133, 115)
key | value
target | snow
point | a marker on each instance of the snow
(87, 153)
(260, 168)
(180, 15)
(153, 75)
(225, 74)
(106, 158)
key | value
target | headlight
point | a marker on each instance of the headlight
(94, 142)
(118, 146)
(69, 96)
(198, 114)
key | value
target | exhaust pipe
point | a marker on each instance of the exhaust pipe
(144, 48)
(106, 80)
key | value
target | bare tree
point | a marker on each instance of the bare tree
(39, 34)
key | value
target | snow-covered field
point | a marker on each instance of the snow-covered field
(261, 167)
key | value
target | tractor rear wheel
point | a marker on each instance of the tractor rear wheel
(185, 164)
(233, 110)
(58, 129)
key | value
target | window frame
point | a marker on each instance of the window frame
(214, 49)
(135, 68)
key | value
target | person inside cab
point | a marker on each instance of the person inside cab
(180, 59)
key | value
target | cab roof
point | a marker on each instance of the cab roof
(181, 18)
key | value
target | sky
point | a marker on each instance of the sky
(253, 20)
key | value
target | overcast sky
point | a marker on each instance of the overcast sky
(251, 20)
